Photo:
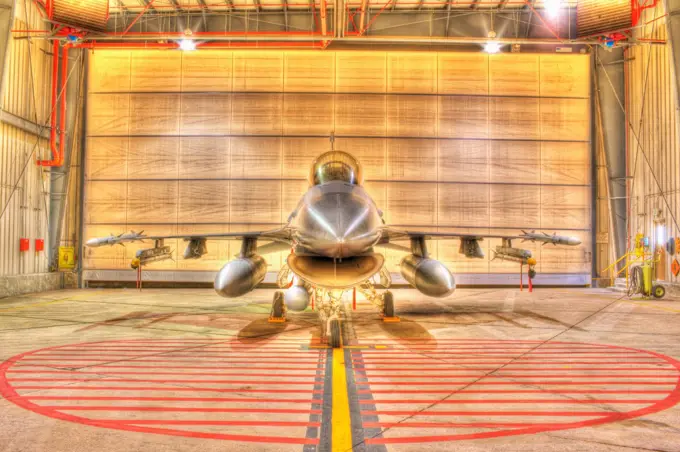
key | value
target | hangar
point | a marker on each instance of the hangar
(339, 225)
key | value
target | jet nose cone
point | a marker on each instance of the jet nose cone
(92, 242)
(573, 241)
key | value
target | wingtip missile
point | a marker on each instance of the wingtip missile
(547, 238)
(112, 240)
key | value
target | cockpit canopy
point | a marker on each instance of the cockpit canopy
(336, 166)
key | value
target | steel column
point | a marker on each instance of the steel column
(59, 175)
(673, 32)
(6, 22)
(610, 84)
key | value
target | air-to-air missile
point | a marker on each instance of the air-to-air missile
(119, 239)
(555, 239)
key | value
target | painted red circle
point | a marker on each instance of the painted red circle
(127, 387)
(494, 388)
(214, 389)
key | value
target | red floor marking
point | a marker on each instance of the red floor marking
(510, 401)
(273, 382)
(508, 391)
(606, 369)
(482, 369)
(230, 423)
(115, 408)
(169, 389)
(392, 377)
(18, 372)
(238, 374)
(508, 383)
(429, 412)
(110, 366)
(174, 399)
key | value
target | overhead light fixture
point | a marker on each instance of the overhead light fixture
(187, 45)
(492, 47)
(552, 7)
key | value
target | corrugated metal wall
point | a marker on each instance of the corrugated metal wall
(26, 96)
(654, 160)
(221, 140)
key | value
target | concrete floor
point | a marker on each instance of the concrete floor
(487, 369)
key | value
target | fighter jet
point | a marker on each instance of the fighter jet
(332, 236)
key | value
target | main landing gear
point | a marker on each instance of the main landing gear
(278, 311)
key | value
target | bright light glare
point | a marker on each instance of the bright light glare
(492, 47)
(187, 45)
(552, 7)
(660, 234)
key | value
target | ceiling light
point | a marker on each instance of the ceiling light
(552, 7)
(492, 47)
(187, 45)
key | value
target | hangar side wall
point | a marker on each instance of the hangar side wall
(24, 187)
(653, 161)
(222, 141)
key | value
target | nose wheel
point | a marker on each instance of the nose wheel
(334, 334)
(388, 304)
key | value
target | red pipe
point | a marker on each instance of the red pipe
(53, 109)
(58, 154)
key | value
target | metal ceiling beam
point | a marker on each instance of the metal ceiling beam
(610, 85)
(673, 32)
(362, 18)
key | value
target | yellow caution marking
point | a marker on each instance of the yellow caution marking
(653, 306)
(341, 428)
(31, 305)
(381, 346)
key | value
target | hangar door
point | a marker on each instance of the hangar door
(222, 141)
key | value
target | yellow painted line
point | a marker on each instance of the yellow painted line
(341, 428)
(653, 306)
(356, 347)
(380, 346)
(31, 305)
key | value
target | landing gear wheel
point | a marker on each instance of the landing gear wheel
(278, 310)
(388, 304)
(658, 291)
(335, 341)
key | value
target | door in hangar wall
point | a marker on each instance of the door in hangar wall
(222, 141)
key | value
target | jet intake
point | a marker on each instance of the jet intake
(240, 276)
(296, 296)
(429, 276)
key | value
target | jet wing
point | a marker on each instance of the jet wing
(394, 235)
(281, 235)
(469, 243)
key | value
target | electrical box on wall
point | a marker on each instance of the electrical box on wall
(39, 245)
(24, 245)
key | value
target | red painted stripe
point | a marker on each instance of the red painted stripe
(120, 380)
(457, 424)
(509, 352)
(509, 391)
(176, 399)
(484, 413)
(523, 369)
(166, 361)
(239, 374)
(509, 401)
(171, 357)
(502, 359)
(109, 366)
(498, 362)
(229, 423)
(169, 389)
(115, 408)
(371, 376)
(567, 382)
